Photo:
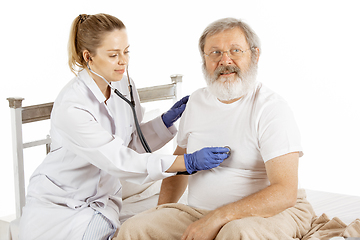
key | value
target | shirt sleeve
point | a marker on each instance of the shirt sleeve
(182, 136)
(278, 133)
(85, 137)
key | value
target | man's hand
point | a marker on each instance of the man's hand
(205, 228)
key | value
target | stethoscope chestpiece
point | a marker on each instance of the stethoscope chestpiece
(229, 152)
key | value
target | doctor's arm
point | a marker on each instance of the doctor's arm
(281, 194)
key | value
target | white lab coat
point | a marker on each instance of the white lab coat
(93, 146)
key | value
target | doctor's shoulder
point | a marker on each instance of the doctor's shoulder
(73, 94)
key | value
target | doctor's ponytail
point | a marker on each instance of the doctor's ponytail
(87, 33)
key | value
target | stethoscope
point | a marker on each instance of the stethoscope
(131, 104)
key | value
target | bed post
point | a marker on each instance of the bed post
(15, 105)
(176, 79)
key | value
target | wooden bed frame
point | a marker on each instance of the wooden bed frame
(22, 115)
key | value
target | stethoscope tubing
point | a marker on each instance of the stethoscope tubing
(132, 106)
(137, 125)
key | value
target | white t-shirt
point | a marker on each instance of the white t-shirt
(257, 128)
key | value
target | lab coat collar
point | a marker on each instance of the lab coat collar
(91, 84)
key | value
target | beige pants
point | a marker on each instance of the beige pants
(169, 221)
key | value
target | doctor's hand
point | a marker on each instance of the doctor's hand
(205, 158)
(175, 112)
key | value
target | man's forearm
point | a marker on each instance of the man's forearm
(267, 202)
(280, 195)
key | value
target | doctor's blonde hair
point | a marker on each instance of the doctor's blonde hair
(87, 33)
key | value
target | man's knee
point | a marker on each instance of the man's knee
(130, 228)
(240, 229)
(257, 228)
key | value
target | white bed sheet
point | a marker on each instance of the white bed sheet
(345, 207)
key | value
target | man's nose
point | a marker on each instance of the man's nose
(225, 59)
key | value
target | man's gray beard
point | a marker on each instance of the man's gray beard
(228, 88)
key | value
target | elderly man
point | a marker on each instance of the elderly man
(254, 193)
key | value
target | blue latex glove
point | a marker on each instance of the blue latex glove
(205, 158)
(175, 112)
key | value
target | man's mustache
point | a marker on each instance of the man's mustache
(220, 70)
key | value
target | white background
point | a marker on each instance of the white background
(310, 56)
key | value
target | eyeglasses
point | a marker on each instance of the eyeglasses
(234, 54)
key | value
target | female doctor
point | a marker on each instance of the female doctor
(75, 193)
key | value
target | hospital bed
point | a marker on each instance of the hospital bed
(138, 198)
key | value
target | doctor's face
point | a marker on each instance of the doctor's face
(112, 56)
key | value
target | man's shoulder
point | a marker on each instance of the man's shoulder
(199, 95)
(265, 95)
(200, 91)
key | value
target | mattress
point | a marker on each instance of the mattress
(345, 207)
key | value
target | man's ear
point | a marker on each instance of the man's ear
(257, 54)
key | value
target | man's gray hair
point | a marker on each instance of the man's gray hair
(227, 24)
